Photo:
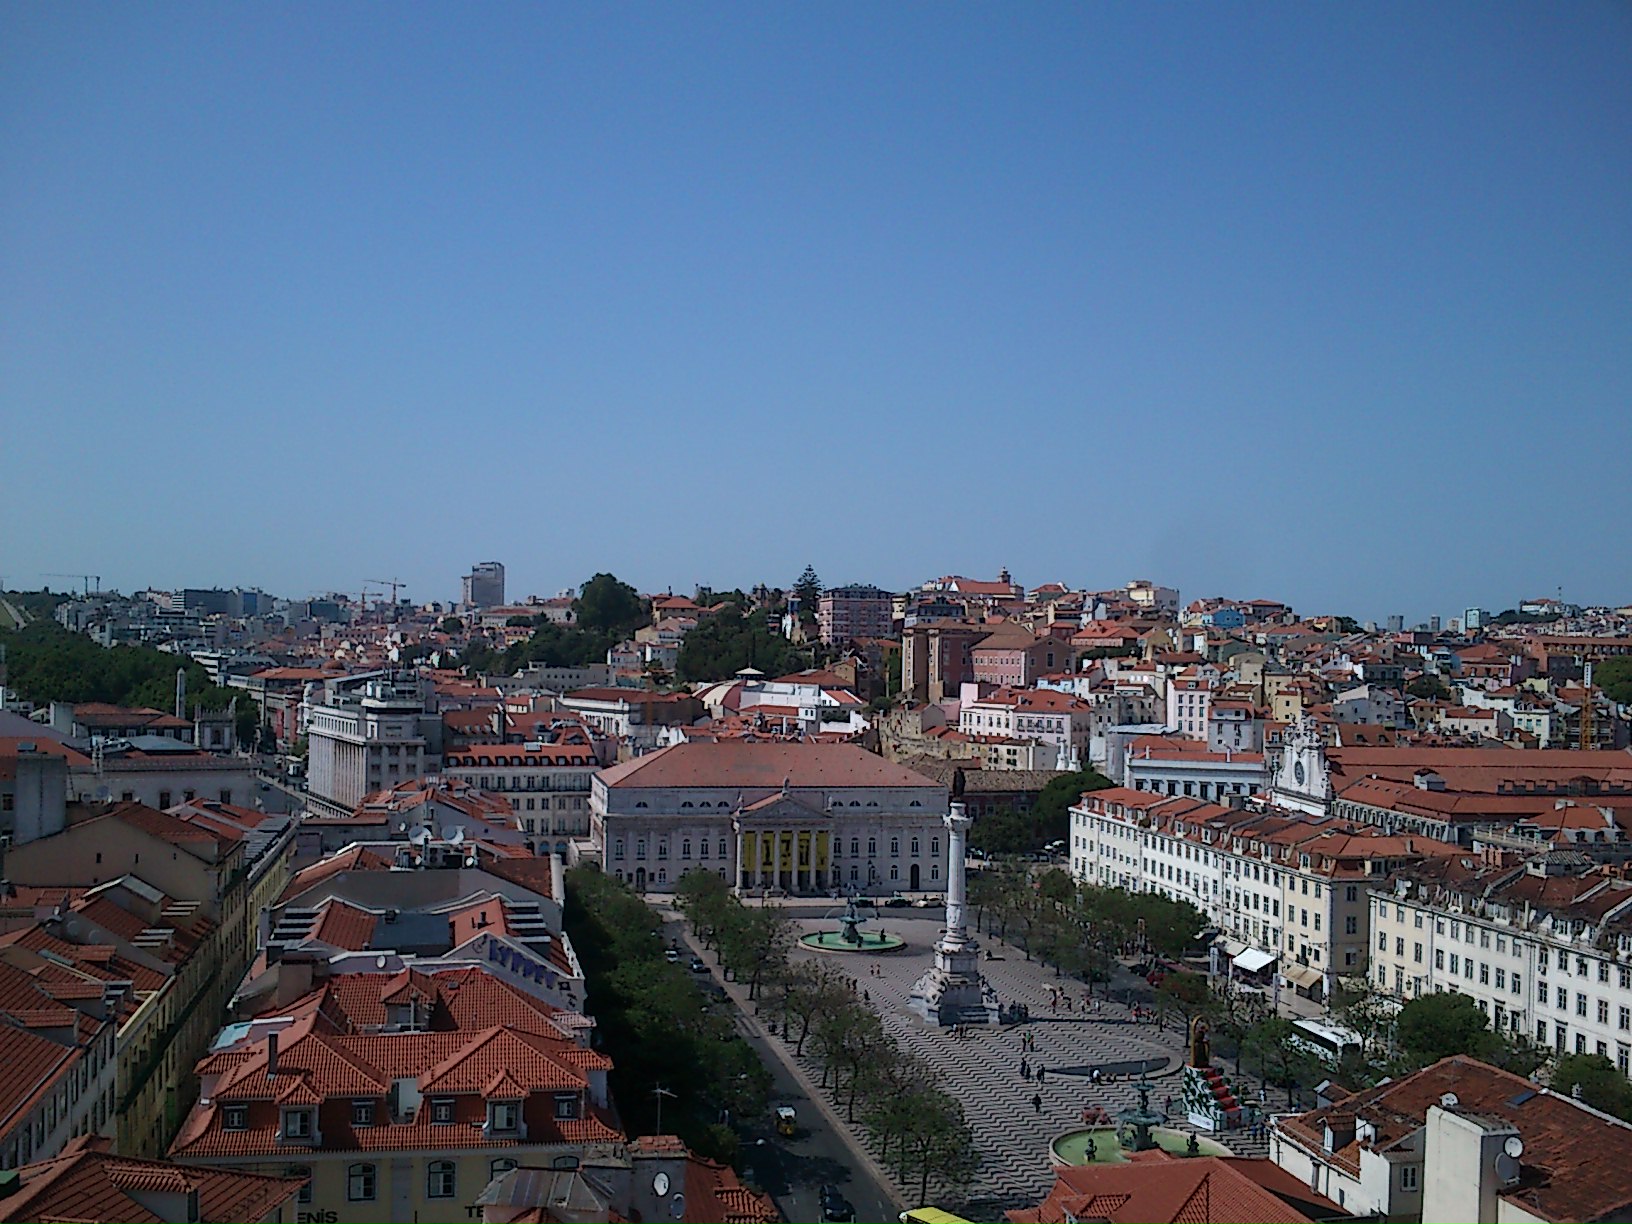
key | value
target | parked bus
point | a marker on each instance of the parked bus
(1327, 1042)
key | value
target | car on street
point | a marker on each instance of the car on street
(897, 903)
(927, 902)
(835, 1206)
(672, 955)
(697, 965)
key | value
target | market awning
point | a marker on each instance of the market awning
(1253, 961)
(1232, 947)
(1302, 975)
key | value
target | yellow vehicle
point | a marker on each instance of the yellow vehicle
(786, 1120)
(930, 1215)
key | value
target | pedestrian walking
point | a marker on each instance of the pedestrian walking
(1036, 1103)
(1025, 1070)
(1041, 1071)
(1167, 1105)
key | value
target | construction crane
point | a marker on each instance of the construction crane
(85, 578)
(396, 584)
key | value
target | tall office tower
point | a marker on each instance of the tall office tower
(484, 585)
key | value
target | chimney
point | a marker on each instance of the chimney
(271, 1054)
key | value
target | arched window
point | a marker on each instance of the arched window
(895, 845)
(855, 847)
(722, 847)
(500, 1167)
(687, 803)
(895, 872)
(872, 804)
(641, 804)
(915, 803)
(915, 847)
(872, 846)
(685, 847)
(360, 1183)
(935, 846)
(440, 1179)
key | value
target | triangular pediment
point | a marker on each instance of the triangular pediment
(782, 809)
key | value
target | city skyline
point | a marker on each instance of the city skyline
(1318, 304)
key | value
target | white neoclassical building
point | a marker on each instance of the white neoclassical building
(804, 818)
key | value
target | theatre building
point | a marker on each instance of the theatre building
(802, 818)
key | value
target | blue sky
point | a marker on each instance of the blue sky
(1330, 303)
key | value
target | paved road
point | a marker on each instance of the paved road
(792, 1170)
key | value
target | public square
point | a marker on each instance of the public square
(983, 1069)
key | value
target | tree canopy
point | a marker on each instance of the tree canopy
(1435, 1026)
(606, 605)
(46, 663)
(1428, 687)
(1614, 676)
(732, 639)
(1007, 831)
(1597, 1081)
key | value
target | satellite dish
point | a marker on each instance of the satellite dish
(379, 961)
(677, 1206)
(1507, 1169)
(1449, 1101)
(660, 1184)
(1514, 1146)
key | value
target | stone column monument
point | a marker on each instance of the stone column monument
(953, 992)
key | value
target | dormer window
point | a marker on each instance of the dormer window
(297, 1124)
(235, 1117)
(442, 1111)
(566, 1105)
(362, 1113)
(503, 1116)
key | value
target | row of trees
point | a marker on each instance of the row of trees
(656, 1026)
(911, 1122)
(46, 662)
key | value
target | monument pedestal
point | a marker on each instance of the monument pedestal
(953, 992)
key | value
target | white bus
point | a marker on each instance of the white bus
(1327, 1042)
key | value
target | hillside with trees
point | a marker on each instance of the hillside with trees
(47, 663)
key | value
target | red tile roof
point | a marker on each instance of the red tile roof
(751, 766)
(1154, 1187)
(87, 1183)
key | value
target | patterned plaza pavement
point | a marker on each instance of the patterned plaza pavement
(983, 1069)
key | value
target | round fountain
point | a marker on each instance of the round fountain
(1135, 1129)
(850, 937)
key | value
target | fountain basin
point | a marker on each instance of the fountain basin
(1071, 1148)
(834, 941)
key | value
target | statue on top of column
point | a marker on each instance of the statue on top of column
(958, 782)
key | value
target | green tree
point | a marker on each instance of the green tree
(1428, 687)
(606, 605)
(940, 1147)
(1183, 996)
(1614, 676)
(452, 626)
(755, 943)
(1435, 1026)
(1367, 1012)
(1169, 926)
(1595, 1081)
(808, 587)
(1272, 1045)
(730, 640)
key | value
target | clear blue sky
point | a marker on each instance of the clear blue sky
(1325, 302)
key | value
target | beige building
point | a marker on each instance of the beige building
(400, 1096)
(177, 896)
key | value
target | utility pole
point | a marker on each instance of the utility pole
(660, 1092)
